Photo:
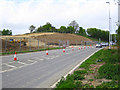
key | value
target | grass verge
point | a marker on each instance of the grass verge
(99, 71)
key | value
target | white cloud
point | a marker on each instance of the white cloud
(18, 16)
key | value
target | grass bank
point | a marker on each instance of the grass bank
(99, 71)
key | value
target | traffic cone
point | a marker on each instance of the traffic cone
(79, 48)
(46, 52)
(15, 57)
(63, 49)
(72, 48)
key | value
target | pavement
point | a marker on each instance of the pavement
(38, 70)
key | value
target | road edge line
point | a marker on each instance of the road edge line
(54, 85)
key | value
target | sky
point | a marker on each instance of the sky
(18, 15)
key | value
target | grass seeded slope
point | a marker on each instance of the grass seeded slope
(101, 70)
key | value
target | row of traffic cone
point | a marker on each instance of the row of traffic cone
(15, 56)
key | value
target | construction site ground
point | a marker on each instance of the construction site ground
(45, 40)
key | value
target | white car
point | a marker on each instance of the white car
(107, 44)
(98, 45)
(103, 44)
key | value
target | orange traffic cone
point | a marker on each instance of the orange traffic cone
(46, 52)
(15, 57)
(81, 47)
(72, 48)
(63, 49)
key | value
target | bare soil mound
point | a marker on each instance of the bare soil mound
(43, 38)
(55, 37)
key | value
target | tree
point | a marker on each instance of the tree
(97, 33)
(70, 29)
(40, 29)
(81, 31)
(31, 28)
(118, 40)
(63, 29)
(47, 28)
(75, 25)
(6, 32)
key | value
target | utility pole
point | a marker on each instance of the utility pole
(109, 25)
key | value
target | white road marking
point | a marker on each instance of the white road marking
(41, 59)
(21, 63)
(9, 65)
(31, 61)
(46, 57)
(67, 53)
(4, 71)
(57, 56)
(14, 67)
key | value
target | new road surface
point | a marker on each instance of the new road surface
(38, 70)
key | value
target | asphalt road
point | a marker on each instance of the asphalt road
(38, 70)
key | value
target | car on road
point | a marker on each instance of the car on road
(103, 44)
(107, 44)
(99, 45)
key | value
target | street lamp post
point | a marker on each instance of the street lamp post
(109, 25)
(118, 12)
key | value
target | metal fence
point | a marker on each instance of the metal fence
(30, 44)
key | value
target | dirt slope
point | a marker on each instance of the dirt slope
(44, 39)
(55, 37)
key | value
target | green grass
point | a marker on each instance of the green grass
(92, 60)
(108, 85)
(110, 70)
(43, 49)
(71, 81)
(68, 82)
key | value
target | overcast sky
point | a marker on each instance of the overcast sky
(18, 15)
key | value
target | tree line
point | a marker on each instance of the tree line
(98, 33)
(5, 32)
(73, 28)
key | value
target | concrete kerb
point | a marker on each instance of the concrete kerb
(54, 85)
